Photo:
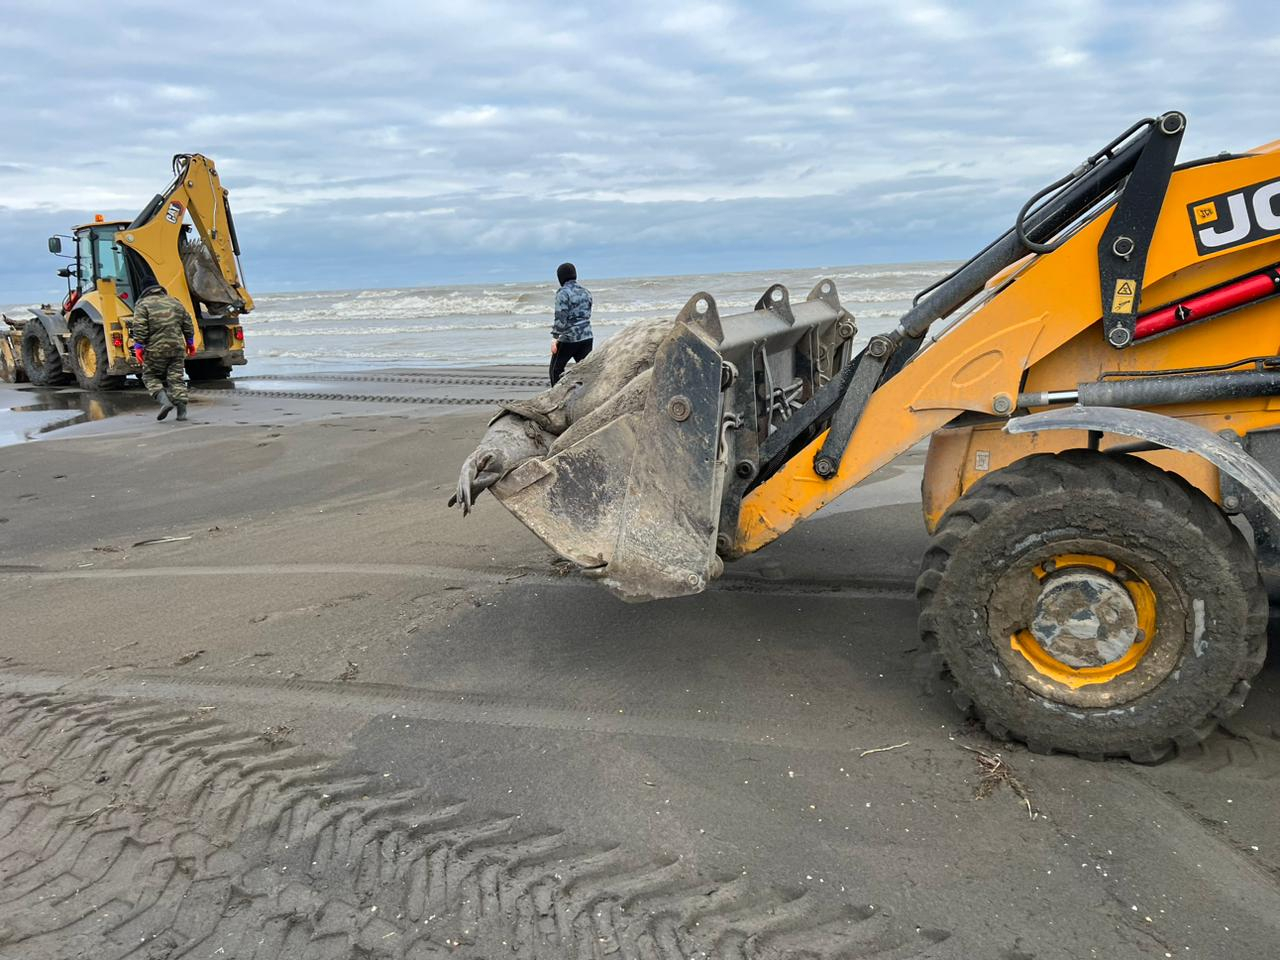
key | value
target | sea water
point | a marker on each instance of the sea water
(510, 323)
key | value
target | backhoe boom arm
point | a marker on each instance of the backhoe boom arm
(155, 234)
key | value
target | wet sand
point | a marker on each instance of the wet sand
(674, 779)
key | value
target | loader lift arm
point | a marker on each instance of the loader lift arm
(1131, 174)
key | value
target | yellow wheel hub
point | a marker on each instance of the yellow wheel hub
(1094, 620)
(86, 356)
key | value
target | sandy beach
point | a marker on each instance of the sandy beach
(258, 685)
(802, 273)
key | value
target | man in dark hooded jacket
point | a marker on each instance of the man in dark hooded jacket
(571, 332)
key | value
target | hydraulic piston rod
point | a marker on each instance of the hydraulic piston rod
(1161, 391)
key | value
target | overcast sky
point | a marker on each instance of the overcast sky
(378, 143)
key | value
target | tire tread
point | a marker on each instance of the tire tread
(1083, 470)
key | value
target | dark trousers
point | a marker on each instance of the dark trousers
(566, 352)
(162, 370)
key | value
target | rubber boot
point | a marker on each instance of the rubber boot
(182, 410)
(166, 405)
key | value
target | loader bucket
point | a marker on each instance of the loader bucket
(635, 502)
(635, 492)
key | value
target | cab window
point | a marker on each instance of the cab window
(99, 257)
(110, 263)
(85, 279)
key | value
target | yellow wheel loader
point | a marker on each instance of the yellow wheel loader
(111, 262)
(1101, 390)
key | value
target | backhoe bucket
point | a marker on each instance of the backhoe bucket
(643, 491)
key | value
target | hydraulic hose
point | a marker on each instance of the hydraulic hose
(1068, 199)
(1020, 224)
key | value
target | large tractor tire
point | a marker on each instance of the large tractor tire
(207, 370)
(40, 357)
(1094, 605)
(89, 360)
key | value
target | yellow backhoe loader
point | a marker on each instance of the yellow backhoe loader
(1101, 390)
(114, 261)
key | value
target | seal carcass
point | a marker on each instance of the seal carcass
(612, 381)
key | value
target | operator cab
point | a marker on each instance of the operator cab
(97, 256)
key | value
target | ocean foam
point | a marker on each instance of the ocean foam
(510, 322)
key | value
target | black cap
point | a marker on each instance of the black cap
(566, 272)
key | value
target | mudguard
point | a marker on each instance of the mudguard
(1163, 431)
(86, 308)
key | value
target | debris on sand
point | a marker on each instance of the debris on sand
(352, 671)
(188, 657)
(996, 771)
(93, 815)
(896, 746)
(276, 735)
(144, 543)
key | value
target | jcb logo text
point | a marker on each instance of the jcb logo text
(1232, 219)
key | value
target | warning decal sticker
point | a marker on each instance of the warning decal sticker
(1122, 300)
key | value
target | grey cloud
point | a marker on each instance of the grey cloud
(666, 137)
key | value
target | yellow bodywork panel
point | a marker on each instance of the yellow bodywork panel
(115, 315)
(1041, 330)
(958, 458)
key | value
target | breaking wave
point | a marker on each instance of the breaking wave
(390, 331)
(509, 322)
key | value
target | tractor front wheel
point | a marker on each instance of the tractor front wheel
(40, 357)
(1094, 604)
(89, 360)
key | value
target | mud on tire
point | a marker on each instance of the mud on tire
(1209, 640)
(40, 357)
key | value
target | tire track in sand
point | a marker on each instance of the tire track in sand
(135, 830)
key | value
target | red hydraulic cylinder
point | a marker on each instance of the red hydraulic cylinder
(1238, 293)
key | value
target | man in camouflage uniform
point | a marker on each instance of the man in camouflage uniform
(571, 332)
(163, 336)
